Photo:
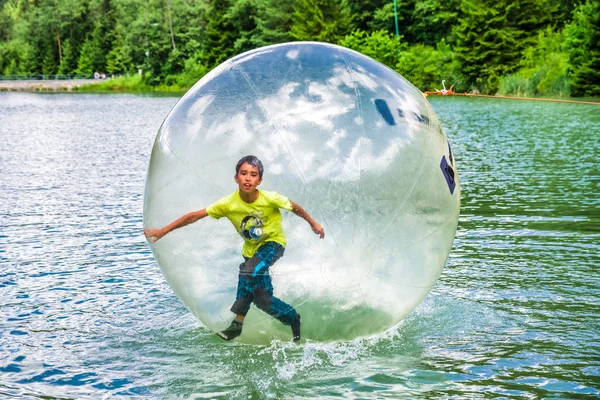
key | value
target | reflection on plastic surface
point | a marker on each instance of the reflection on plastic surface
(348, 139)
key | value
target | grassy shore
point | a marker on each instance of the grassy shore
(134, 83)
(511, 86)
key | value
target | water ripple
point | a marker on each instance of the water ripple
(87, 314)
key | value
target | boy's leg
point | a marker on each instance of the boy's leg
(277, 308)
(245, 293)
(243, 299)
(258, 266)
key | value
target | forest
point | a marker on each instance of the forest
(518, 47)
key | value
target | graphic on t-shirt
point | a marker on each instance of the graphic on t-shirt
(251, 227)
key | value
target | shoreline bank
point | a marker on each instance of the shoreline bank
(128, 85)
(67, 85)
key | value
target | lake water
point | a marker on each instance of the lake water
(86, 312)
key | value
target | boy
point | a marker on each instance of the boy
(255, 215)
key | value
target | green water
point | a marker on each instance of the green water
(87, 314)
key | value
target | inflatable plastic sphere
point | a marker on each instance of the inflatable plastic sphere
(348, 139)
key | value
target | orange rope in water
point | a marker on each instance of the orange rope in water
(451, 93)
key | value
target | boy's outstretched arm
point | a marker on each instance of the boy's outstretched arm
(315, 226)
(187, 219)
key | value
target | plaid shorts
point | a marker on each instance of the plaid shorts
(255, 285)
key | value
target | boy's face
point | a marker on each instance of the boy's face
(248, 178)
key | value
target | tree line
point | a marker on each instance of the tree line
(523, 47)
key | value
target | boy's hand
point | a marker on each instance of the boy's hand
(315, 226)
(153, 234)
(187, 219)
(318, 229)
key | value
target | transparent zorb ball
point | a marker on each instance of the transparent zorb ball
(348, 139)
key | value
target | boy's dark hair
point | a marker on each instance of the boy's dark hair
(252, 160)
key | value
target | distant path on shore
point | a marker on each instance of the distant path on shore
(46, 85)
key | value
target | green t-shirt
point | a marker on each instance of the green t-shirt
(256, 222)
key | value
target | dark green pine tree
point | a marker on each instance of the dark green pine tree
(242, 15)
(153, 50)
(39, 36)
(584, 41)
(118, 60)
(220, 35)
(103, 34)
(273, 22)
(6, 24)
(562, 11)
(85, 63)
(68, 63)
(385, 18)
(77, 23)
(433, 21)
(492, 35)
(363, 12)
(50, 64)
(321, 20)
